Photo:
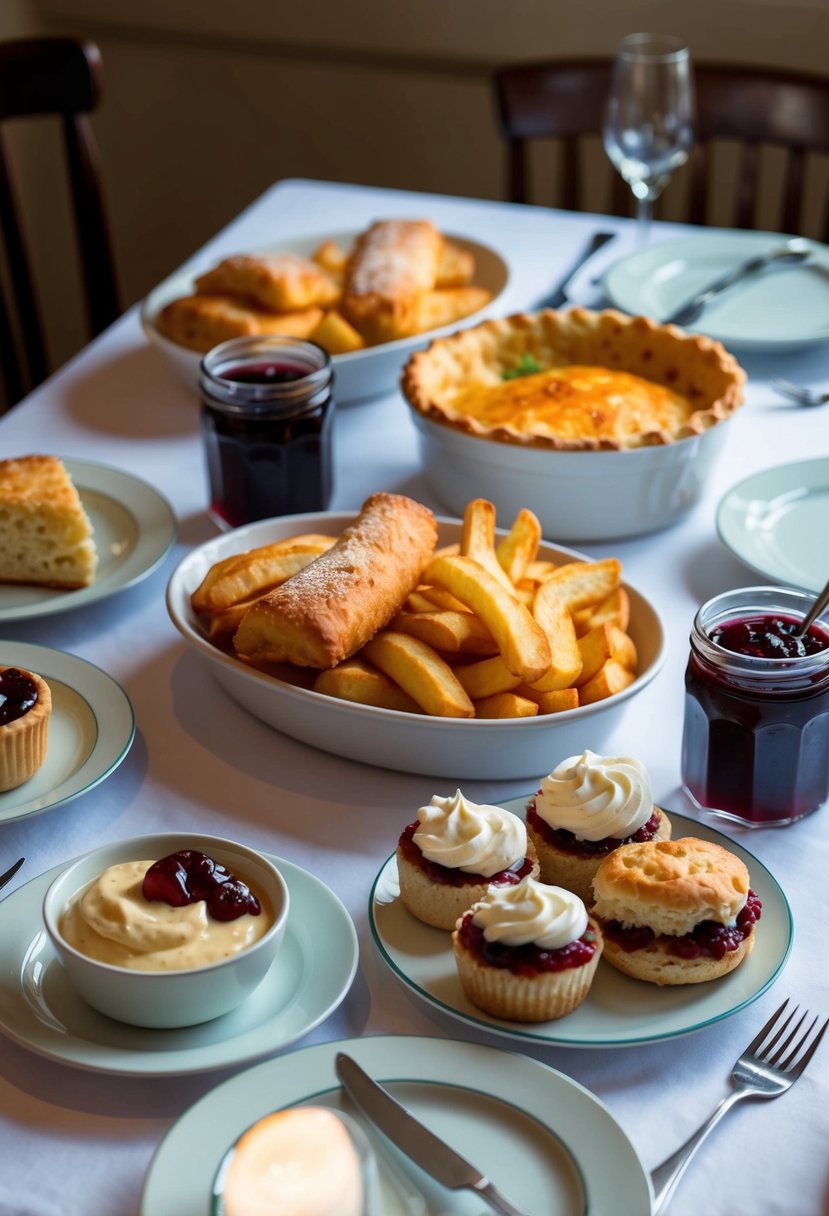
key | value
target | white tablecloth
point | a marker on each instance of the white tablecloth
(75, 1142)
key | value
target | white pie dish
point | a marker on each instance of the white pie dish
(362, 374)
(458, 748)
(166, 999)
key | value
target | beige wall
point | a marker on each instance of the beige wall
(196, 124)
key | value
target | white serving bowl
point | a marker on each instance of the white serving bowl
(171, 998)
(482, 749)
(362, 374)
(578, 496)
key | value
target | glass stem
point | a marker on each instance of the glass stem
(644, 216)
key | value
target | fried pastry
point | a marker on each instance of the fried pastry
(202, 322)
(393, 263)
(281, 282)
(45, 533)
(334, 605)
(456, 266)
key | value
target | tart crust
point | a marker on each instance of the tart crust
(23, 741)
(699, 372)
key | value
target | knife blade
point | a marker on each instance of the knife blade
(794, 251)
(558, 295)
(418, 1143)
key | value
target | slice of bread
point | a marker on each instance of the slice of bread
(45, 534)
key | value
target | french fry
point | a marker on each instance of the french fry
(519, 547)
(331, 257)
(550, 702)
(539, 571)
(417, 602)
(553, 616)
(244, 574)
(439, 597)
(221, 622)
(420, 672)
(449, 632)
(354, 680)
(596, 647)
(506, 705)
(521, 640)
(581, 583)
(487, 678)
(624, 648)
(615, 610)
(478, 540)
(336, 335)
(609, 679)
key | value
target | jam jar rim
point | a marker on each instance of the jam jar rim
(233, 396)
(745, 601)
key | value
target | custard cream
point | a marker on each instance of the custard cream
(113, 923)
(596, 796)
(530, 912)
(462, 835)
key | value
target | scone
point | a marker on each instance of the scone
(45, 534)
(392, 265)
(527, 953)
(675, 911)
(25, 708)
(585, 808)
(279, 282)
(448, 857)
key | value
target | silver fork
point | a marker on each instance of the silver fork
(764, 1070)
(10, 873)
(795, 392)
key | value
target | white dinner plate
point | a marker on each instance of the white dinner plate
(359, 375)
(776, 522)
(479, 748)
(91, 729)
(310, 976)
(619, 1011)
(544, 1140)
(133, 527)
(783, 308)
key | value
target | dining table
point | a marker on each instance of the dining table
(84, 1127)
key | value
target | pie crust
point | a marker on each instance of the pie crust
(686, 382)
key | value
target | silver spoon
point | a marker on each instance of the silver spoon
(794, 251)
(820, 605)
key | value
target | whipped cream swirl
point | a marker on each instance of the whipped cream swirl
(462, 835)
(596, 796)
(530, 912)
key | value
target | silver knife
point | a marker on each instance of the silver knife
(558, 295)
(794, 251)
(416, 1141)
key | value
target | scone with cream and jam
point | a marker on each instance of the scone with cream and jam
(585, 809)
(675, 911)
(527, 953)
(25, 709)
(451, 853)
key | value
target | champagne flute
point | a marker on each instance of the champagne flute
(648, 129)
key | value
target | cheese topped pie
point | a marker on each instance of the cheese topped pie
(575, 380)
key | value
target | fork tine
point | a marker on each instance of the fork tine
(767, 1029)
(776, 1059)
(797, 1069)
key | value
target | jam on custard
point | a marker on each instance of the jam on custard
(18, 695)
(458, 878)
(708, 938)
(188, 876)
(560, 838)
(526, 960)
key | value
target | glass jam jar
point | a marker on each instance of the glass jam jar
(755, 745)
(267, 414)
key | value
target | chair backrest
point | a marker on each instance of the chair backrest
(753, 106)
(59, 77)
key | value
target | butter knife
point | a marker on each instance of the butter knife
(416, 1141)
(794, 251)
(558, 295)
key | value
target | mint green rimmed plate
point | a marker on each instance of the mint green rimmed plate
(133, 527)
(776, 522)
(91, 729)
(543, 1139)
(619, 1011)
(312, 973)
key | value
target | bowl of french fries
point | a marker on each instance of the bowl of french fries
(510, 651)
(469, 281)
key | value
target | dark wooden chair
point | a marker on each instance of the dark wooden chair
(59, 77)
(754, 107)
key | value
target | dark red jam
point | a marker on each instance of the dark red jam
(560, 838)
(708, 939)
(526, 960)
(188, 876)
(265, 372)
(18, 694)
(768, 637)
(458, 878)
